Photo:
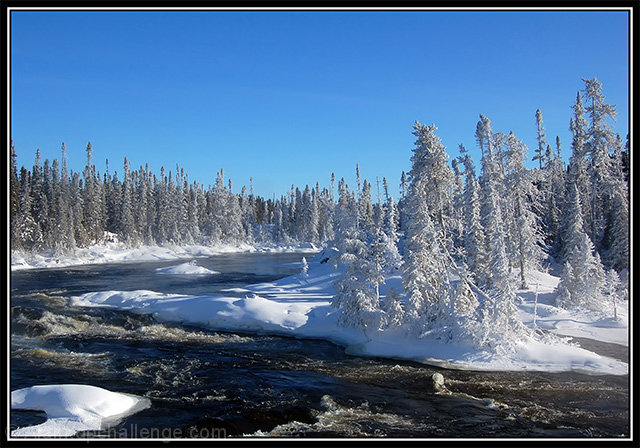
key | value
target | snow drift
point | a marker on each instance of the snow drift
(71, 408)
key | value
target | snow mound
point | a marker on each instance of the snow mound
(189, 268)
(71, 408)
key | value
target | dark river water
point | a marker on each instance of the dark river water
(204, 383)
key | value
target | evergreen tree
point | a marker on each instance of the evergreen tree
(457, 216)
(126, 226)
(40, 204)
(14, 196)
(92, 220)
(425, 276)
(474, 241)
(542, 143)
(391, 305)
(583, 277)
(523, 224)
(618, 217)
(309, 217)
(365, 207)
(390, 226)
(26, 228)
(599, 139)
(498, 313)
(233, 230)
(357, 296)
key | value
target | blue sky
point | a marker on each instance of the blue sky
(290, 97)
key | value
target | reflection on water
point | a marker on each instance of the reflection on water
(214, 384)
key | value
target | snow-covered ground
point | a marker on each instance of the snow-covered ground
(115, 252)
(71, 408)
(299, 306)
(600, 326)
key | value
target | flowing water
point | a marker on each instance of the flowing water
(204, 383)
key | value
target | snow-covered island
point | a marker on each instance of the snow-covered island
(300, 306)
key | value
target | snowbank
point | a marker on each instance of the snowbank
(189, 268)
(599, 326)
(115, 252)
(71, 408)
(299, 306)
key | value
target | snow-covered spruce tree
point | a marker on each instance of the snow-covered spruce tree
(126, 226)
(233, 231)
(599, 141)
(583, 277)
(392, 256)
(523, 223)
(498, 313)
(63, 230)
(93, 219)
(164, 217)
(401, 203)
(279, 231)
(146, 213)
(365, 207)
(357, 297)
(173, 211)
(431, 163)
(77, 206)
(473, 237)
(139, 204)
(192, 228)
(548, 179)
(247, 215)
(40, 204)
(425, 276)
(218, 208)
(578, 168)
(614, 291)
(14, 195)
(457, 214)
(346, 215)
(27, 229)
(618, 218)
(325, 215)
(540, 151)
(391, 305)
(490, 183)
(556, 181)
(309, 218)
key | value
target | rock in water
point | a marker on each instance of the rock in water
(438, 382)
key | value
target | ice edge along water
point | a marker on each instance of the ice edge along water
(118, 252)
(300, 306)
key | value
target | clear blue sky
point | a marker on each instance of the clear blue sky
(290, 97)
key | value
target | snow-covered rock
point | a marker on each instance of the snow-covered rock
(71, 408)
(189, 268)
